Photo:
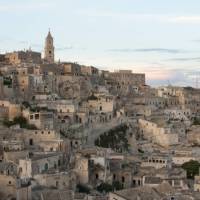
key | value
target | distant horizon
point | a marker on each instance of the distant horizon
(160, 39)
(101, 68)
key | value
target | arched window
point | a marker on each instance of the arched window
(59, 162)
(57, 183)
(46, 166)
(97, 176)
(31, 142)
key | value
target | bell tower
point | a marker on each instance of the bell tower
(49, 48)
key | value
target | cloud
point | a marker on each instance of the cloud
(26, 7)
(178, 77)
(23, 42)
(185, 59)
(186, 19)
(116, 15)
(160, 50)
(163, 18)
(195, 40)
(64, 48)
(70, 47)
(148, 50)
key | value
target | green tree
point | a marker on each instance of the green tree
(192, 168)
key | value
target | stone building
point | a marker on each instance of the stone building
(43, 119)
(19, 57)
(11, 186)
(156, 161)
(72, 69)
(157, 133)
(38, 163)
(9, 110)
(127, 77)
(89, 71)
(60, 180)
(2, 58)
(45, 140)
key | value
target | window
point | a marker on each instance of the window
(46, 166)
(57, 183)
(37, 116)
(134, 182)
(31, 142)
(55, 166)
(97, 176)
(20, 170)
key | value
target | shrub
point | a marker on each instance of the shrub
(117, 185)
(26, 104)
(114, 138)
(105, 187)
(21, 121)
(196, 121)
(83, 189)
(7, 81)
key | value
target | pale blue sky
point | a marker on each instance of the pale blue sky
(159, 37)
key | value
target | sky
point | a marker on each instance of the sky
(158, 37)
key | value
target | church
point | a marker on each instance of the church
(29, 56)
